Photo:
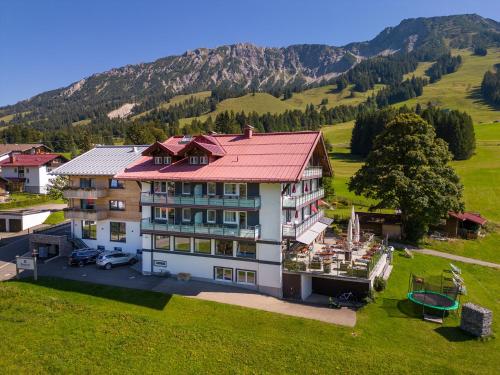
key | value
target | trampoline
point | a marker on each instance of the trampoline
(433, 300)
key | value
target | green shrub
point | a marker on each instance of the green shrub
(379, 283)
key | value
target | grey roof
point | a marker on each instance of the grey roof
(101, 161)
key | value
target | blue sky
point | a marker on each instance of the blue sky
(49, 44)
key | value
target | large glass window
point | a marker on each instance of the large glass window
(117, 231)
(87, 183)
(230, 217)
(247, 250)
(162, 242)
(186, 214)
(223, 274)
(160, 187)
(211, 216)
(186, 188)
(202, 245)
(211, 188)
(182, 244)
(116, 184)
(230, 189)
(245, 277)
(116, 205)
(224, 247)
(161, 213)
(87, 204)
(243, 191)
(89, 230)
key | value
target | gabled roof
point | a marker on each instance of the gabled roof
(169, 149)
(19, 147)
(101, 161)
(468, 216)
(264, 157)
(21, 160)
(203, 142)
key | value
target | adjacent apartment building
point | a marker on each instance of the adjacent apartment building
(219, 207)
(104, 212)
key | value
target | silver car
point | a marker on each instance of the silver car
(109, 259)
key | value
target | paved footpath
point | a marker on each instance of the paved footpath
(458, 258)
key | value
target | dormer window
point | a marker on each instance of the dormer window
(193, 160)
(158, 160)
(204, 159)
(167, 160)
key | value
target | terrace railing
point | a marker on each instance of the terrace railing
(295, 230)
(249, 232)
(312, 172)
(202, 200)
(301, 200)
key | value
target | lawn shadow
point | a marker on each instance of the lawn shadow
(150, 299)
(400, 308)
(454, 334)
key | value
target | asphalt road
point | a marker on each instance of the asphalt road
(19, 245)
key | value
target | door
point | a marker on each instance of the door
(198, 190)
(15, 225)
(198, 218)
(242, 220)
(3, 226)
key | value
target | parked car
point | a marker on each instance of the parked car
(82, 257)
(109, 259)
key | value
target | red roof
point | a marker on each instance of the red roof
(21, 160)
(468, 216)
(265, 157)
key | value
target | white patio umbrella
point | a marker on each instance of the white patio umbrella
(349, 235)
(353, 214)
(357, 230)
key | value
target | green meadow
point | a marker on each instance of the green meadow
(58, 326)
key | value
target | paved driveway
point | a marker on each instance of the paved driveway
(128, 277)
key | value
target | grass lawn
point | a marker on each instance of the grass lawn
(25, 200)
(460, 90)
(55, 218)
(70, 327)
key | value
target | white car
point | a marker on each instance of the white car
(109, 259)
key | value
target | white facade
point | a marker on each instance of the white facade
(28, 219)
(103, 238)
(37, 179)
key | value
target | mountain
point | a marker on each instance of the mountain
(242, 67)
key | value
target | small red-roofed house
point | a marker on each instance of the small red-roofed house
(464, 224)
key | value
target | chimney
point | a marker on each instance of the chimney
(134, 149)
(248, 131)
(11, 158)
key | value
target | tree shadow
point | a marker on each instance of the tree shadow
(150, 299)
(477, 97)
(348, 158)
(454, 334)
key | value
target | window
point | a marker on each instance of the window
(117, 232)
(211, 188)
(162, 242)
(193, 160)
(247, 250)
(87, 204)
(186, 214)
(230, 217)
(158, 159)
(243, 190)
(89, 230)
(117, 205)
(161, 213)
(224, 247)
(307, 211)
(211, 216)
(223, 274)
(160, 187)
(182, 244)
(167, 160)
(230, 189)
(27, 170)
(186, 188)
(87, 183)
(245, 277)
(116, 184)
(203, 159)
(49, 169)
(202, 245)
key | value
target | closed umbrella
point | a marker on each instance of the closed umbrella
(357, 230)
(349, 235)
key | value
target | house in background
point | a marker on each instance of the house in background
(384, 225)
(4, 192)
(104, 211)
(6, 149)
(30, 173)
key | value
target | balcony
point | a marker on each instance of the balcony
(85, 214)
(302, 200)
(201, 201)
(295, 230)
(85, 193)
(313, 172)
(206, 230)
